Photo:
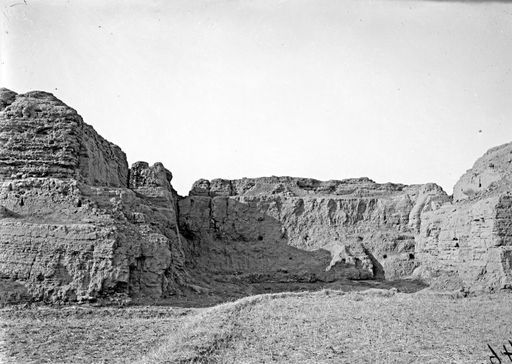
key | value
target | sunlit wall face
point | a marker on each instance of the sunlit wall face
(399, 91)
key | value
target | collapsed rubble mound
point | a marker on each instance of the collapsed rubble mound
(78, 224)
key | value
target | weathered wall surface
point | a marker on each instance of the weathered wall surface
(77, 224)
(69, 241)
(468, 243)
(491, 173)
(278, 227)
(70, 228)
(40, 136)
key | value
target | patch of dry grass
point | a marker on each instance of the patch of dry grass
(332, 327)
(84, 335)
(200, 338)
(373, 326)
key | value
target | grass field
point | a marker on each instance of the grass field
(374, 326)
(84, 335)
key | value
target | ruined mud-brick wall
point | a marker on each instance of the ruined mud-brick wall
(468, 243)
(75, 222)
(282, 228)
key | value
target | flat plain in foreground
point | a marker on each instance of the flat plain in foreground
(374, 326)
(84, 334)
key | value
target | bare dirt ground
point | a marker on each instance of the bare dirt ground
(329, 326)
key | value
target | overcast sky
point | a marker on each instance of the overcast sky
(398, 91)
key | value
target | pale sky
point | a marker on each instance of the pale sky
(398, 91)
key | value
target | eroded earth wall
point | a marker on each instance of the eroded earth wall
(77, 224)
(468, 243)
(283, 228)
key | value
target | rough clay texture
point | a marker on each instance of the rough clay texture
(492, 173)
(282, 228)
(70, 227)
(42, 137)
(77, 224)
(468, 243)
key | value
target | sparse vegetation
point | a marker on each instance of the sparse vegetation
(373, 326)
(84, 334)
